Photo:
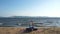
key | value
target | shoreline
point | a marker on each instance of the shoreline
(16, 30)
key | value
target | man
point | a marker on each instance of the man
(31, 25)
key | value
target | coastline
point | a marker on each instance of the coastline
(16, 30)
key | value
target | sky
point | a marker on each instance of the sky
(50, 8)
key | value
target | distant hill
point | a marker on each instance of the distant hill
(29, 17)
(20, 17)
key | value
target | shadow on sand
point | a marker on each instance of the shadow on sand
(28, 30)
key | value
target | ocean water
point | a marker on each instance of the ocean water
(24, 22)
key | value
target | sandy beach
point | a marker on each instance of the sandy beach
(15, 30)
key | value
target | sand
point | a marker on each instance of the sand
(19, 30)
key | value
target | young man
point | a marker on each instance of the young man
(31, 25)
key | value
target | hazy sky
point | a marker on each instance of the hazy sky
(49, 8)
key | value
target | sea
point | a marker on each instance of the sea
(24, 22)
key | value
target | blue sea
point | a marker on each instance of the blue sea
(24, 22)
